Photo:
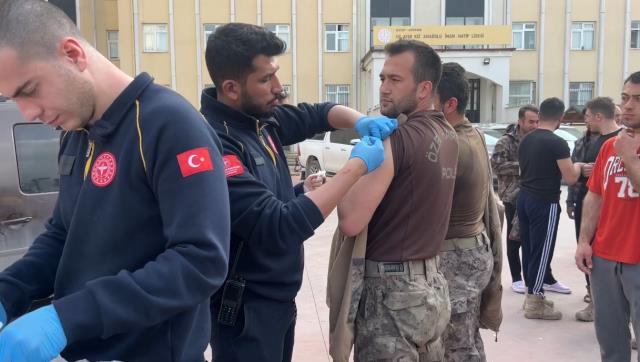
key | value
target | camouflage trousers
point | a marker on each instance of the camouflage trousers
(467, 271)
(403, 311)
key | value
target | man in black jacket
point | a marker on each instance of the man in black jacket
(254, 316)
(139, 237)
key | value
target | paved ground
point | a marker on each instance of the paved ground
(519, 339)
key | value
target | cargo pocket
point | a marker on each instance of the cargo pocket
(410, 313)
(439, 306)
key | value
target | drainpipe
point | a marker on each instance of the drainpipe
(136, 36)
(541, 51)
(172, 44)
(627, 39)
(294, 51)
(198, 48)
(567, 50)
(320, 54)
(600, 78)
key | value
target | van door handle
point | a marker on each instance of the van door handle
(18, 221)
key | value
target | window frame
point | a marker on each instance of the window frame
(635, 27)
(156, 33)
(206, 33)
(522, 33)
(112, 42)
(23, 158)
(577, 87)
(582, 30)
(339, 89)
(531, 96)
(279, 33)
(338, 37)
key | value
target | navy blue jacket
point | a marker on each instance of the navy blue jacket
(265, 213)
(133, 252)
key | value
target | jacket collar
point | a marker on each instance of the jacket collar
(216, 111)
(117, 111)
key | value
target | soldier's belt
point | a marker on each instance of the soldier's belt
(463, 243)
(387, 268)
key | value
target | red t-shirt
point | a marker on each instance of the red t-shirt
(618, 234)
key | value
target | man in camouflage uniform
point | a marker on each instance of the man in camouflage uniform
(466, 259)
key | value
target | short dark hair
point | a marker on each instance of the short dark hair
(633, 78)
(427, 65)
(232, 48)
(551, 109)
(527, 108)
(602, 105)
(34, 28)
(453, 84)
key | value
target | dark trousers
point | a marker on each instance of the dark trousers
(577, 218)
(264, 331)
(538, 231)
(513, 249)
(513, 246)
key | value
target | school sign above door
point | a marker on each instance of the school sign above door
(445, 35)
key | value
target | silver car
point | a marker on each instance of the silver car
(29, 180)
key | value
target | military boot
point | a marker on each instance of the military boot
(586, 314)
(536, 307)
(546, 301)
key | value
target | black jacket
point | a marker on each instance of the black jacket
(134, 248)
(265, 212)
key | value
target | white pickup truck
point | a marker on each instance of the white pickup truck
(327, 151)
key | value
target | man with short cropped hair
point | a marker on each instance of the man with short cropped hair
(544, 160)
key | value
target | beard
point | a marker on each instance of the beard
(248, 106)
(81, 96)
(406, 106)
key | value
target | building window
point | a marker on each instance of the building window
(286, 88)
(582, 36)
(282, 31)
(524, 35)
(635, 34)
(37, 148)
(336, 38)
(463, 12)
(580, 93)
(208, 30)
(112, 44)
(156, 39)
(337, 94)
(390, 13)
(521, 93)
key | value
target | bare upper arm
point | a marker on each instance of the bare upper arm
(357, 207)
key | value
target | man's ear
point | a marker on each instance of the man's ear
(231, 89)
(425, 90)
(452, 105)
(74, 52)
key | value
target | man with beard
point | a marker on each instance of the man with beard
(254, 315)
(139, 238)
(608, 248)
(405, 207)
(599, 116)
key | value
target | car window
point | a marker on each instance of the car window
(318, 136)
(572, 131)
(493, 133)
(37, 148)
(343, 136)
(567, 136)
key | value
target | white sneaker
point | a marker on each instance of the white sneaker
(557, 287)
(519, 286)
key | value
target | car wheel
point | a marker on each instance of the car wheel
(313, 166)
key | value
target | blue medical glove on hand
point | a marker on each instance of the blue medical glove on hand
(379, 126)
(370, 150)
(35, 337)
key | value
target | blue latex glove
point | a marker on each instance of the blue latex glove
(3, 315)
(35, 337)
(379, 126)
(370, 150)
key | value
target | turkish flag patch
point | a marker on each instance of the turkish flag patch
(195, 161)
(232, 165)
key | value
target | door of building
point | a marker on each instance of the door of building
(473, 108)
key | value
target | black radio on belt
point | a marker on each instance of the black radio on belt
(231, 301)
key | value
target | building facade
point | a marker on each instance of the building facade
(572, 49)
